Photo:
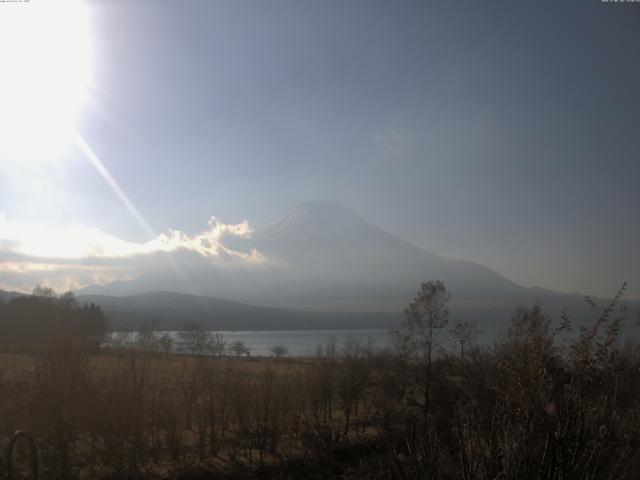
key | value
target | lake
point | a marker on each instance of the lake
(302, 343)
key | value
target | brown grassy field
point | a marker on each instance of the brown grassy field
(15, 365)
(174, 413)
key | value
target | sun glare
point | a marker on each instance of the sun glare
(45, 61)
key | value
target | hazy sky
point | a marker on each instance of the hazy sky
(502, 132)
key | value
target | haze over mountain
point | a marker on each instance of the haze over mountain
(173, 311)
(5, 296)
(324, 257)
(340, 260)
(320, 267)
(322, 253)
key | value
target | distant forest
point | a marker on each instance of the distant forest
(27, 322)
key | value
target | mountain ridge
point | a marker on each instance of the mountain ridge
(325, 258)
(324, 252)
(172, 311)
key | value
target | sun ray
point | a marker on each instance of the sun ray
(93, 158)
(88, 152)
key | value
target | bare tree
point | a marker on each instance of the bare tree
(279, 351)
(193, 338)
(121, 340)
(352, 379)
(320, 388)
(44, 293)
(165, 343)
(464, 333)
(239, 348)
(420, 335)
(218, 345)
(147, 338)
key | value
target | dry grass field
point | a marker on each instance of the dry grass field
(18, 365)
(167, 415)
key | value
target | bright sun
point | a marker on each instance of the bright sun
(45, 63)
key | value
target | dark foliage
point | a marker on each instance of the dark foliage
(33, 322)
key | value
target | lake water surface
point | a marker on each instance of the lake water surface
(303, 343)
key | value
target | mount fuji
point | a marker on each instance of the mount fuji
(323, 257)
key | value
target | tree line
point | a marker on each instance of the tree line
(33, 321)
(193, 340)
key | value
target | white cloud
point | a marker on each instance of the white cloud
(78, 255)
(208, 243)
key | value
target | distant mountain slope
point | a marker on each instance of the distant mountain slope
(170, 311)
(6, 296)
(326, 241)
(324, 254)
(324, 257)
